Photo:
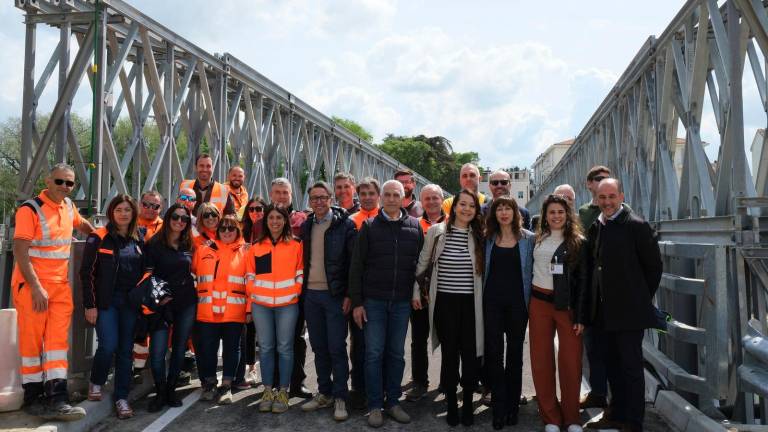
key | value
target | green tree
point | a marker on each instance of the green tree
(354, 127)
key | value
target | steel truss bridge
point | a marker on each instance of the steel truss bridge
(712, 218)
(139, 68)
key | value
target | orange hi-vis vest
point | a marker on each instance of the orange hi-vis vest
(221, 294)
(152, 226)
(275, 272)
(219, 193)
(362, 215)
(425, 223)
(202, 238)
(48, 226)
(239, 199)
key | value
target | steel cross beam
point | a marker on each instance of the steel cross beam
(193, 99)
(701, 54)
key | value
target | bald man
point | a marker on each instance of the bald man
(469, 178)
(625, 267)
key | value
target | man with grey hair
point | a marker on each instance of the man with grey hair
(381, 278)
(281, 195)
(432, 201)
(500, 183)
(469, 178)
(566, 191)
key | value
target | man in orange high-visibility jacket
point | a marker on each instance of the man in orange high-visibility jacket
(149, 213)
(208, 190)
(237, 191)
(42, 295)
(369, 191)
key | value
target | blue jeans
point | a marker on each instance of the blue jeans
(327, 328)
(385, 350)
(183, 320)
(114, 330)
(275, 327)
(207, 337)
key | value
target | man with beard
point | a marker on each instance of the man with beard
(237, 192)
(410, 203)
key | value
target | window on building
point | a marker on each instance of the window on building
(517, 176)
(521, 195)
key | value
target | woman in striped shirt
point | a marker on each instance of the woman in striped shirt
(455, 298)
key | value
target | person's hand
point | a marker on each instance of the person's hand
(578, 328)
(346, 305)
(39, 298)
(358, 314)
(91, 314)
(416, 304)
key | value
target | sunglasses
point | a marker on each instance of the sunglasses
(256, 209)
(599, 178)
(183, 218)
(187, 198)
(228, 228)
(210, 215)
(499, 182)
(60, 182)
(147, 205)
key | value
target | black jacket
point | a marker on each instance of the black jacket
(100, 265)
(384, 260)
(625, 266)
(571, 289)
(338, 244)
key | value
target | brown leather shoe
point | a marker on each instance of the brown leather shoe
(605, 423)
(593, 401)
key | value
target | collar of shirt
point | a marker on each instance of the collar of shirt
(328, 216)
(386, 216)
(603, 220)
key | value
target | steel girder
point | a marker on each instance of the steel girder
(702, 53)
(143, 69)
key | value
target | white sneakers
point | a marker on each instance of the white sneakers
(575, 428)
(551, 428)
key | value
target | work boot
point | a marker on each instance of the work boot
(417, 392)
(159, 401)
(467, 409)
(452, 405)
(225, 394)
(319, 401)
(34, 398)
(170, 394)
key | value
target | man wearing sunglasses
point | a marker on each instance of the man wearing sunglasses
(42, 294)
(149, 213)
(500, 183)
(589, 212)
(207, 189)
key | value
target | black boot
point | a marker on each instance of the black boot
(58, 407)
(452, 417)
(159, 401)
(467, 409)
(170, 393)
(34, 398)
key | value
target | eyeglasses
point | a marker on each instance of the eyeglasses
(499, 182)
(60, 182)
(183, 218)
(228, 228)
(599, 178)
(256, 209)
(209, 215)
(187, 198)
(147, 205)
(319, 198)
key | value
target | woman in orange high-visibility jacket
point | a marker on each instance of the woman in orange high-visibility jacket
(221, 306)
(275, 276)
(208, 217)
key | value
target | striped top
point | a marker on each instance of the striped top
(455, 272)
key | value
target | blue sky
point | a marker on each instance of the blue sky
(504, 78)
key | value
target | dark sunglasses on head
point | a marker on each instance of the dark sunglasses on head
(147, 205)
(209, 215)
(183, 218)
(599, 178)
(229, 228)
(256, 209)
(187, 198)
(499, 182)
(60, 182)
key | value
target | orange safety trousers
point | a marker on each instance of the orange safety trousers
(43, 336)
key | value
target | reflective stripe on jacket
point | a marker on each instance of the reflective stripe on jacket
(275, 272)
(221, 294)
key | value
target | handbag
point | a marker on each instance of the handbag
(424, 279)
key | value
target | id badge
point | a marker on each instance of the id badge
(556, 269)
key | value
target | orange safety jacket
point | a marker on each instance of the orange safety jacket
(152, 226)
(239, 199)
(425, 223)
(220, 270)
(275, 272)
(219, 193)
(362, 215)
(202, 238)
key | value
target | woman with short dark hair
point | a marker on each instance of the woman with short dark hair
(112, 265)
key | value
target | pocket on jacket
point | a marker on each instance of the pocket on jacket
(264, 264)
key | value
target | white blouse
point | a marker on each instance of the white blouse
(542, 258)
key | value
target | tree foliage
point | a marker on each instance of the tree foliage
(354, 127)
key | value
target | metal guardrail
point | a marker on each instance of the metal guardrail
(753, 373)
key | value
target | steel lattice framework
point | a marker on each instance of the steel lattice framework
(138, 67)
(702, 53)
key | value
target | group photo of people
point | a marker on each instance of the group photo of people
(232, 282)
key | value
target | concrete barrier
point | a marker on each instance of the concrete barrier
(11, 392)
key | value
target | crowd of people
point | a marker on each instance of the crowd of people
(219, 271)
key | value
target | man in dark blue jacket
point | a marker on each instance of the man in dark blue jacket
(327, 237)
(381, 277)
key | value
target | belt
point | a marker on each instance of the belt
(549, 298)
